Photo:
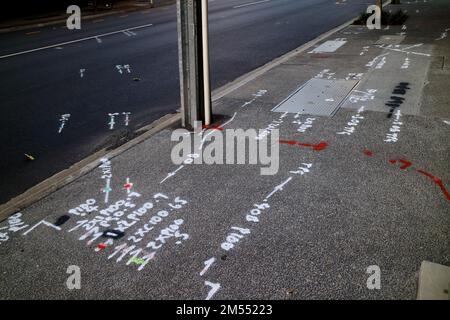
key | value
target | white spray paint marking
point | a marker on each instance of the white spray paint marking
(189, 160)
(303, 126)
(63, 120)
(82, 72)
(375, 60)
(15, 224)
(392, 136)
(171, 174)
(381, 63)
(84, 208)
(98, 40)
(273, 125)
(446, 122)
(278, 188)
(214, 288)
(354, 76)
(121, 68)
(208, 263)
(325, 73)
(406, 63)
(302, 170)
(443, 35)
(106, 175)
(362, 96)
(350, 128)
(413, 46)
(212, 131)
(364, 50)
(107, 189)
(260, 93)
(390, 47)
(111, 120)
(127, 118)
(48, 224)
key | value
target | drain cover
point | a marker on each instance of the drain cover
(329, 46)
(320, 97)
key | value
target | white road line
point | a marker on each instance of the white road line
(250, 4)
(74, 41)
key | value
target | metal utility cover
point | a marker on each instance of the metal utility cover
(329, 46)
(390, 39)
(320, 97)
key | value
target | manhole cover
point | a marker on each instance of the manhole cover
(320, 97)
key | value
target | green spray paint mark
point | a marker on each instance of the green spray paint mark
(137, 260)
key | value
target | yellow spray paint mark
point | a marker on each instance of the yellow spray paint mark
(29, 157)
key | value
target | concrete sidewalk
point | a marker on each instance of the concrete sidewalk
(364, 186)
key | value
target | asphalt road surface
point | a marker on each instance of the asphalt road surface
(43, 77)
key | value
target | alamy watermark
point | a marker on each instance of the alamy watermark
(74, 20)
(374, 280)
(374, 20)
(227, 146)
(74, 280)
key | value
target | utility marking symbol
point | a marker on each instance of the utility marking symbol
(128, 185)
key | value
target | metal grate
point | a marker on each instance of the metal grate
(317, 97)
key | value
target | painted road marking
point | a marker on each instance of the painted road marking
(74, 41)
(32, 32)
(250, 4)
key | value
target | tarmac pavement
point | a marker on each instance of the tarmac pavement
(366, 186)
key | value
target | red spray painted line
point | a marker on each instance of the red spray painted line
(368, 153)
(101, 246)
(316, 147)
(128, 186)
(436, 180)
(406, 163)
(213, 127)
